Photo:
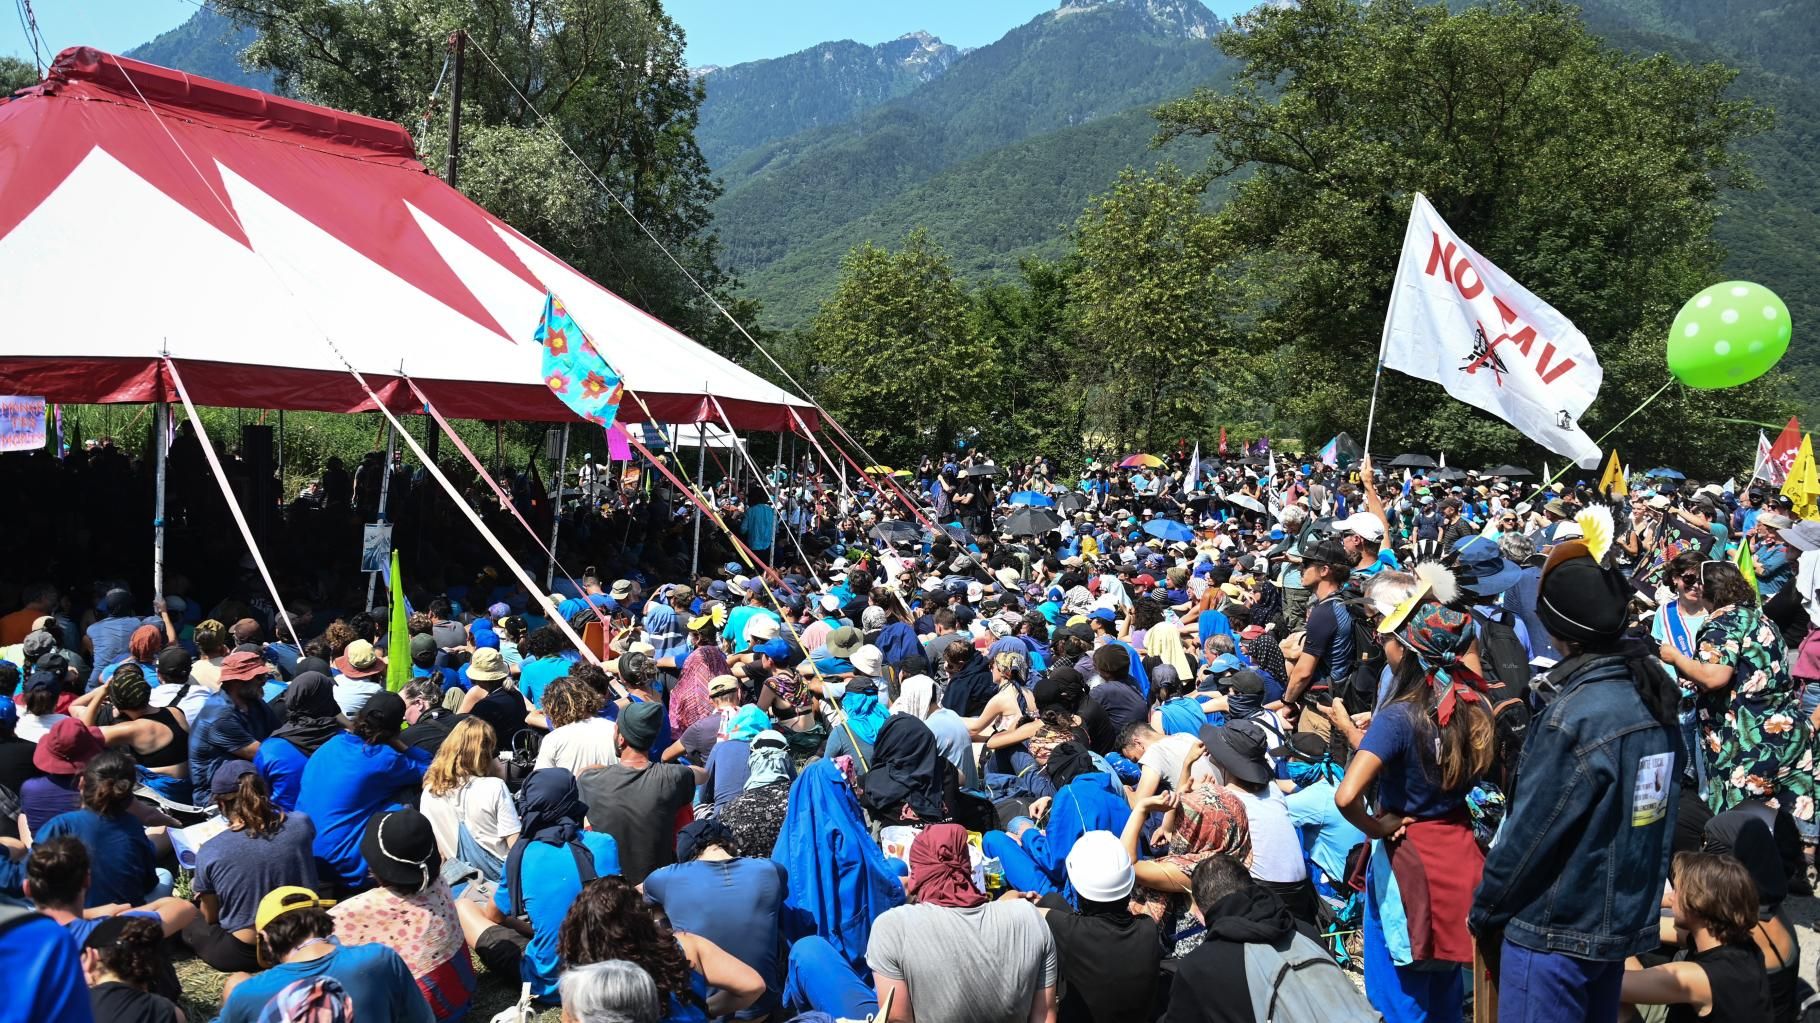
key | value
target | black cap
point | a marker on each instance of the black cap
(1327, 552)
(174, 660)
(400, 849)
(384, 711)
(1248, 682)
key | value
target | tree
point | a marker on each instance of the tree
(609, 75)
(1591, 176)
(892, 351)
(1025, 324)
(16, 74)
(1147, 298)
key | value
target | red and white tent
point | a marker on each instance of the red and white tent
(145, 212)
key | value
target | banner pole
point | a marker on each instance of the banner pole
(1601, 441)
(562, 469)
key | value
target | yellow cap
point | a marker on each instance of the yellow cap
(280, 901)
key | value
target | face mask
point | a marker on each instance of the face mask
(1303, 773)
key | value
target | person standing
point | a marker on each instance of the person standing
(1592, 808)
(1326, 651)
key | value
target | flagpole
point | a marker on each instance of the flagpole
(1601, 441)
(1390, 316)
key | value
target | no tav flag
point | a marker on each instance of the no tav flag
(1460, 321)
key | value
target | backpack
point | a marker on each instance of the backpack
(1507, 676)
(1358, 687)
(1296, 981)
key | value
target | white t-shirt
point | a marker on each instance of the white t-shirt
(191, 704)
(1165, 756)
(1276, 850)
(484, 805)
(351, 694)
(578, 746)
(32, 727)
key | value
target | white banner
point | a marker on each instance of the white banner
(1460, 321)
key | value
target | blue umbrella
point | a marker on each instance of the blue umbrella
(1168, 529)
(1032, 499)
(1666, 473)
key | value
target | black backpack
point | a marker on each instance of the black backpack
(1357, 688)
(1507, 677)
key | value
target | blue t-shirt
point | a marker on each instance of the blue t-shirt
(281, 764)
(346, 782)
(240, 869)
(551, 885)
(122, 863)
(374, 977)
(535, 676)
(1327, 836)
(759, 527)
(568, 609)
(222, 728)
(42, 963)
(733, 903)
(740, 618)
(1409, 782)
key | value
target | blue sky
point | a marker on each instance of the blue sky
(719, 31)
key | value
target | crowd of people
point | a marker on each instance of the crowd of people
(1180, 741)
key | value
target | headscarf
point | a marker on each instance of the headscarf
(1209, 820)
(1067, 762)
(550, 810)
(311, 716)
(145, 643)
(1164, 642)
(769, 761)
(1269, 603)
(865, 715)
(1746, 837)
(941, 872)
(907, 769)
(838, 880)
(747, 723)
(914, 696)
(1438, 635)
(1077, 601)
(898, 643)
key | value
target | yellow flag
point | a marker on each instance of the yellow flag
(1802, 487)
(1746, 567)
(1612, 484)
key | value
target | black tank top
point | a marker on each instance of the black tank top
(1740, 986)
(172, 753)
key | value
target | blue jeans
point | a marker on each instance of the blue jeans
(1547, 987)
(819, 980)
(1020, 869)
(1408, 994)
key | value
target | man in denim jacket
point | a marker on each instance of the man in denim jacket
(1573, 882)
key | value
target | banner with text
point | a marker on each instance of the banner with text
(21, 423)
(1460, 321)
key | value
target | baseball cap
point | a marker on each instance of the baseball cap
(1100, 869)
(226, 780)
(422, 643)
(721, 685)
(776, 649)
(287, 899)
(384, 711)
(1363, 524)
(174, 661)
(1326, 552)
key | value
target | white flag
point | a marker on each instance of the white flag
(1460, 321)
(1763, 453)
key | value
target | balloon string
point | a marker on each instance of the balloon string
(1600, 443)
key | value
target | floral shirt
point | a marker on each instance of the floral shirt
(422, 929)
(1756, 741)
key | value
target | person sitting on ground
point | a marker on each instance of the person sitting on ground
(124, 963)
(516, 935)
(1723, 979)
(756, 815)
(696, 979)
(1745, 836)
(468, 805)
(44, 689)
(494, 699)
(359, 676)
(1241, 748)
(1117, 693)
(637, 801)
(429, 721)
(307, 965)
(1250, 934)
(411, 911)
(692, 894)
(124, 864)
(57, 881)
(311, 718)
(1161, 757)
(61, 757)
(697, 741)
(263, 848)
(1086, 799)
(726, 770)
(233, 721)
(157, 737)
(177, 687)
(579, 737)
(1108, 955)
(353, 776)
(615, 990)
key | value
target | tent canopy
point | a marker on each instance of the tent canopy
(249, 237)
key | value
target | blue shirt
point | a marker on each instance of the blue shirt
(1327, 836)
(345, 783)
(281, 764)
(551, 884)
(759, 527)
(43, 966)
(740, 618)
(222, 729)
(568, 609)
(535, 676)
(374, 977)
(110, 637)
(733, 903)
(122, 864)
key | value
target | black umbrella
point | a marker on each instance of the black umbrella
(1030, 522)
(1506, 470)
(1071, 502)
(982, 470)
(1447, 474)
(897, 531)
(1412, 461)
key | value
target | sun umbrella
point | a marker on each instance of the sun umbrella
(956, 532)
(1168, 529)
(1071, 502)
(1412, 461)
(982, 470)
(1506, 471)
(1031, 499)
(1447, 474)
(1663, 472)
(1246, 502)
(877, 470)
(1141, 461)
(1031, 522)
(897, 531)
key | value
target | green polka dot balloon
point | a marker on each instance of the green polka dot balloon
(1729, 334)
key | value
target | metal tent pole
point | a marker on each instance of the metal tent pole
(161, 418)
(385, 488)
(701, 469)
(562, 467)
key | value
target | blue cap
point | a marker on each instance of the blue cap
(9, 712)
(1225, 663)
(1277, 534)
(1104, 614)
(776, 649)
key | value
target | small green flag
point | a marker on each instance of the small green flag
(398, 635)
(1745, 566)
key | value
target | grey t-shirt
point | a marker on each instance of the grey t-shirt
(979, 965)
(638, 808)
(241, 869)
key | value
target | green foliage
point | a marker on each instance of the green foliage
(1590, 176)
(1025, 327)
(609, 74)
(893, 353)
(208, 44)
(16, 74)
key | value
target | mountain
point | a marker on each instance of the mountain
(794, 200)
(749, 105)
(208, 45)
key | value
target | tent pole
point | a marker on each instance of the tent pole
(385, 487)
(562, 467)
(161, 418)
(281, 456)
(701, 469)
